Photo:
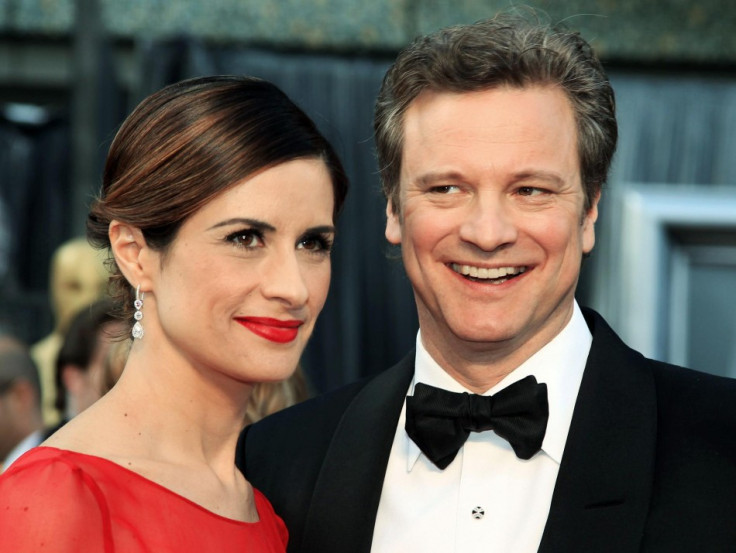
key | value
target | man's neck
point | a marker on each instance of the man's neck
(478, 374)
(481, 366)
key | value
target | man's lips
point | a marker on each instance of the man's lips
(275, 330)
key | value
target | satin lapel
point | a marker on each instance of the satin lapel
(343, 509)
(603, 489)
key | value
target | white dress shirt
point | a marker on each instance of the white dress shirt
(487, 496)
(29, 442)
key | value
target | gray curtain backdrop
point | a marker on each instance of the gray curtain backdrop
(675, 129)
(34, 193)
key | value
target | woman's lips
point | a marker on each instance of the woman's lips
(274, 330)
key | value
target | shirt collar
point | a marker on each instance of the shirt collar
(559, 364)
(29, 442)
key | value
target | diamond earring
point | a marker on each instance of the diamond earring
(138, 315)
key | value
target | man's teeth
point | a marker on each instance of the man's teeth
(484, 273)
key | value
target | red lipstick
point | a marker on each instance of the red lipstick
(275, 330)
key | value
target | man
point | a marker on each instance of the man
(80, 365)
(20, 402)
(494, 140)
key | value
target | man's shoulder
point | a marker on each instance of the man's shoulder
(319, 412)
(685, 420)
(316, 419)
(689, 380)
(694, 394)
(695, 463)
(288, 446)
(690, 403)
(684, 397)
(667, 374)
(282, 455)
(671, 380)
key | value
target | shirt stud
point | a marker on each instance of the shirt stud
(478, 513)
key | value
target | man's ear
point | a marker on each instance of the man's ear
(393, 225)
(73, 378)
(131, 252)
(591, 216)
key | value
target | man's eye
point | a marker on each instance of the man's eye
(529, 191)
(444, 189)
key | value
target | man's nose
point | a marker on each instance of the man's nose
(489, 223)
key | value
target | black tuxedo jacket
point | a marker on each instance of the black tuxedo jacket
(649, 464)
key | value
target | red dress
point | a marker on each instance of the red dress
(58, 501)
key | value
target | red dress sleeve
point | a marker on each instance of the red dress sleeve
(52, 506)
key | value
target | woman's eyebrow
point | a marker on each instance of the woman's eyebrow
(254, 223)
(324, 229)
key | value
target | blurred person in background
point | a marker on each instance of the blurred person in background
(114, 363)
(20, 401)
(77, 278)
(80, 365)
(269, 397)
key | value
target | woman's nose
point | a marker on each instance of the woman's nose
(283, 280)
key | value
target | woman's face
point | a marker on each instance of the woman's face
(240, 288)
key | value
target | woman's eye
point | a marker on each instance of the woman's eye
(315, 244)
(246, 238)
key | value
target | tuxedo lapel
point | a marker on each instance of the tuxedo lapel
(346, 496)
(603, 488)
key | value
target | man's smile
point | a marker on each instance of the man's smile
(497, 275)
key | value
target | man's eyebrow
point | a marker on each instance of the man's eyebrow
(538, 175)
(429, 179)
(434, 178)
(253, 223)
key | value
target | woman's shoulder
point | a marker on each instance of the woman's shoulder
(46, 495)
(46, 473)
(48, 457)
(40, 460)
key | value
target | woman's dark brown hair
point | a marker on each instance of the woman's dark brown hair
(189, 142)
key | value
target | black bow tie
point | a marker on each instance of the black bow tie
(439, 421)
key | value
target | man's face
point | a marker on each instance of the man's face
(79, 278)
(493, 226)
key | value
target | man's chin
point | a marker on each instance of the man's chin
(483, 338)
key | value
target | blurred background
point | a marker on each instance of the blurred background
(664, 268)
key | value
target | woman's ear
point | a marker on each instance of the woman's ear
(131, 253)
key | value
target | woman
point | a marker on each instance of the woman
(218, 205)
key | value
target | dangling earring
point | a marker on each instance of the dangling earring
(138, 315)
